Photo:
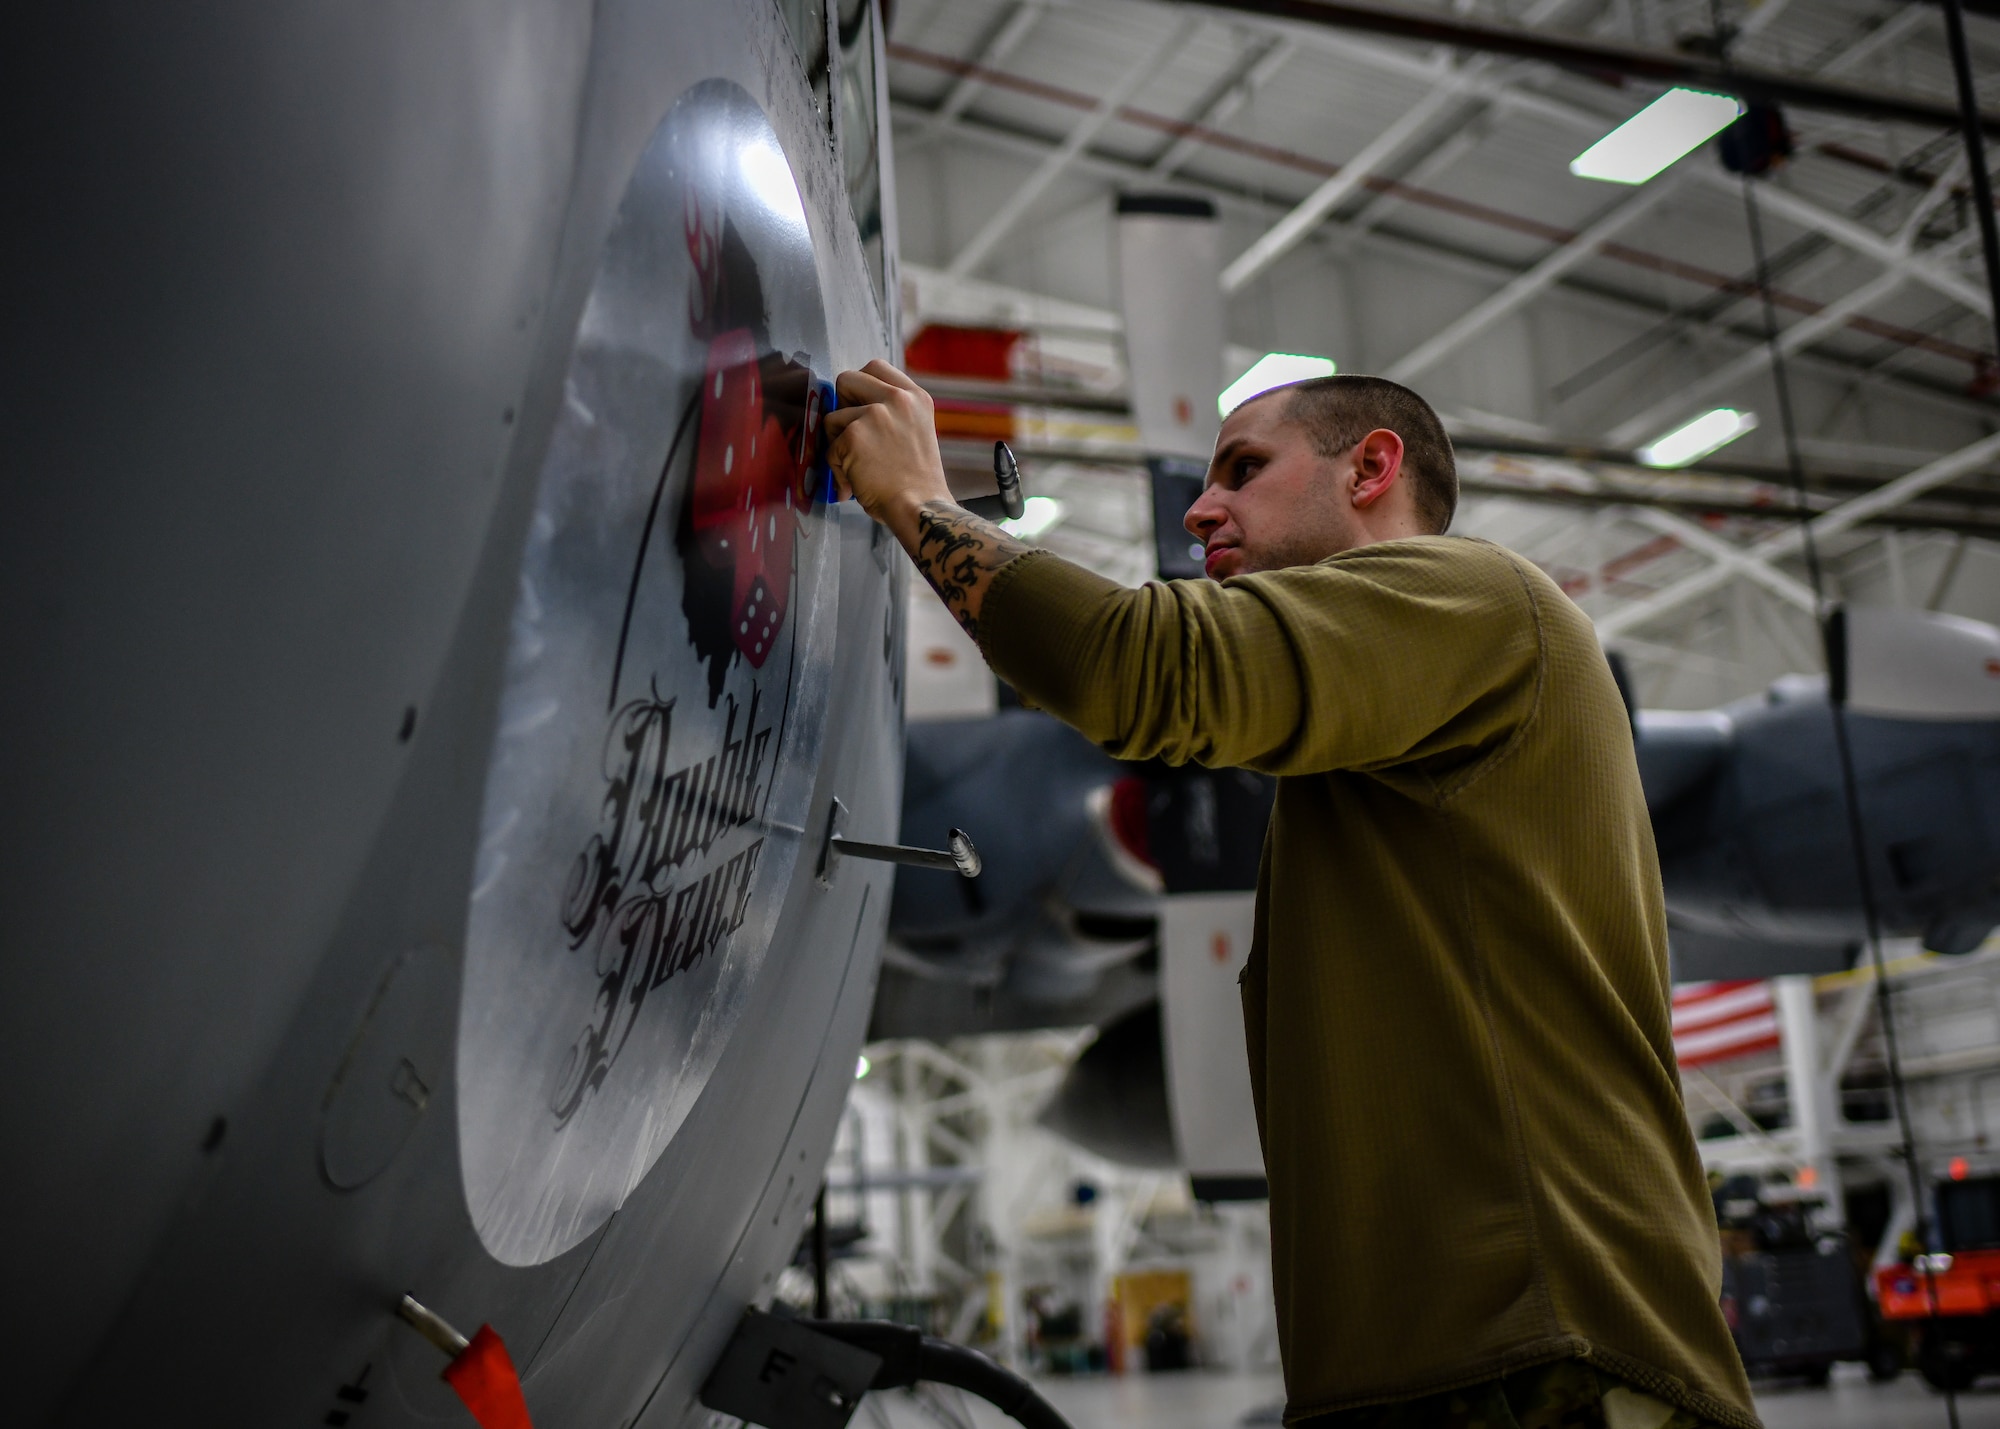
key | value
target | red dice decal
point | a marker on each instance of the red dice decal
(753, 472)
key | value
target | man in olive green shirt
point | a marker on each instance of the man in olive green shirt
(1486, 1204)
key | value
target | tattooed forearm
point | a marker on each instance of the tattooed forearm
(958, 554)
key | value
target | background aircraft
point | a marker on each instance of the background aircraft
(1751, 820)
(1059, 928)
(431, 664)
(1746, 804)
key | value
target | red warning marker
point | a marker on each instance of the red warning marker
(481, 1371)
(486, 1380)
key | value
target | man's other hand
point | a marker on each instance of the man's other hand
(883, 446)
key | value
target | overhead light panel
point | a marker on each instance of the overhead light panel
(1695, 440)
(1675, 124)
(1273, 369)
(1038, 514)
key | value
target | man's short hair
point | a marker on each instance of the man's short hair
(1339, 411)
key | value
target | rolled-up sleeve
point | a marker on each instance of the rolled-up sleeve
(1370, 659)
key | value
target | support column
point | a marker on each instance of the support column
(1809, 1090)
(913, 1156)
(1105, 1220)
(992, 1197)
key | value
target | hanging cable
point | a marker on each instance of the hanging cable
(1970, 128)
(1850, 784)
(1975, 147)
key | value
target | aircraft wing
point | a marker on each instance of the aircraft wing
(1704, 957)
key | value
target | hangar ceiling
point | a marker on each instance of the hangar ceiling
(1407, 209)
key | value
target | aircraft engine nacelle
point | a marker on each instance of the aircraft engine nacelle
(1914, 664)
(1752, 821)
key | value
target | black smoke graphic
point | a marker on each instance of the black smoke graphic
(627, 897)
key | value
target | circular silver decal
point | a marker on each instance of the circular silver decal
(664, 700)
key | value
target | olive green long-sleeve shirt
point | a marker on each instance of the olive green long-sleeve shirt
(1456, 1002)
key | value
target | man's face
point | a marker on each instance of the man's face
(1272, 500)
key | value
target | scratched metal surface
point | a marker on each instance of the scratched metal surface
(304, 286)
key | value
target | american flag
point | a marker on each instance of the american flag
(1714, 1021)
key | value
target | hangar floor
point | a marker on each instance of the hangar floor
(1222, 1401)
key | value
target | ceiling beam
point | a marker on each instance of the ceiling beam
(1011, 209)
(1797, 337)
(1761, 16)
(1847, 309)
(971, 463)
(1286, 234)
(1837, 227)
(1856, 236)
(1897, 253)
(1508, 97)
(1465, 136)
(1700, 539)
(1578, 250)
(1003, 43)
(1598, 58)
(1990, 8)
(1903, 245)
(1400, 244)
(1554, 473)
(1899, 24)
(1461, 141)
(1789, 541)
(1258, 69)
(1753, 360)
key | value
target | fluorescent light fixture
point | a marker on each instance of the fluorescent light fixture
(1696, 439)
(1273, 369)
(1672, 125)
(861, 1068)
(1041, 513)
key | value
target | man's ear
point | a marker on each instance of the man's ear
(1378, 461)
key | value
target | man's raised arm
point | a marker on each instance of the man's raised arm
(1397, 650)
(884, 453)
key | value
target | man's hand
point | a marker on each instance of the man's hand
(884, 453)
(883, 446)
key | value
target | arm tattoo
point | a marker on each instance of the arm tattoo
(958, 554)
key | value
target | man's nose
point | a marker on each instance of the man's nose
(1204, 516)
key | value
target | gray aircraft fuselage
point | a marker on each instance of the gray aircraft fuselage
(1748, 813)
(1755, 844)
(430, 664)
